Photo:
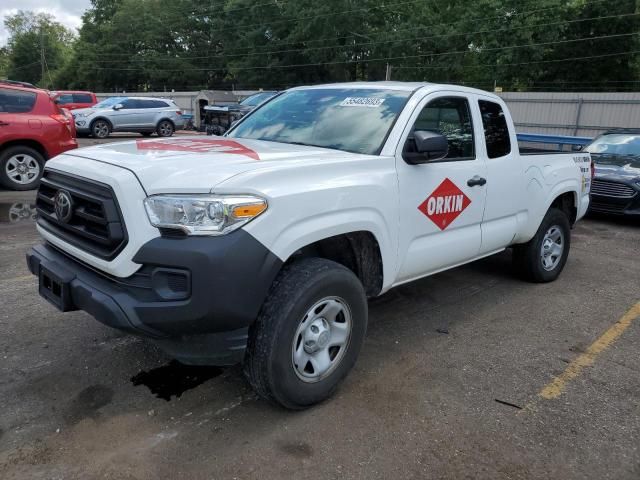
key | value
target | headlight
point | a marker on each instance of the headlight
(79, 115)
(203, 214)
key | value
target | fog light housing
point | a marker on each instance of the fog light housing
(171, 283)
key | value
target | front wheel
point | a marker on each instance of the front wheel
(100, 129)
(20, 168)
(308, 334)
(543, 258)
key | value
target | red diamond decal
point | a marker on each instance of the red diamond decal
(445, 204)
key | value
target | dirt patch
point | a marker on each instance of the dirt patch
(298, 450)
(87, 403)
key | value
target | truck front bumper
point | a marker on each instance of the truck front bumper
(194, 296)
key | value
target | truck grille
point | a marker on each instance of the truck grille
(91, 221)
(612, 189)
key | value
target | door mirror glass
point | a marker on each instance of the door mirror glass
(118, 106)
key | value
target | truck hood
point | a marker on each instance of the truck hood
(197, 164)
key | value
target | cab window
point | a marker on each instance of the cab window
(450, 117)
(496, 130)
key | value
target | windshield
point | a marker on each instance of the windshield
(109, 102)
(349, 119)
(256, 99)
(615, 144)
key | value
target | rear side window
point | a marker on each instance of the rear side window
(16, 101)
(65, 98)
(156, 104)
(82, 98)
(496, 131)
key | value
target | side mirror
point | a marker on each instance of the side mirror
(429, 146)
(118, 106)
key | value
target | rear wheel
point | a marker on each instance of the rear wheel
(543, 258)
(21, 168)
(100, 129)
(308, 334)
(165, 128)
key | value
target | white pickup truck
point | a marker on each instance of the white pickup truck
(262, 246)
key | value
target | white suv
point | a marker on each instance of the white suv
(145, 115)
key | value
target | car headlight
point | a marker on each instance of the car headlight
(203, 214)
(79, 115)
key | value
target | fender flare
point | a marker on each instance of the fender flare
(309, 230)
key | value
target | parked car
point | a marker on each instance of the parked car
(72, 100)
(17, 83)
(263, 246)
(255, 100)
(144, 115)
(616, 184)
(33, 129)
(219, 118)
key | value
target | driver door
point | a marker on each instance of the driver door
(441, 201)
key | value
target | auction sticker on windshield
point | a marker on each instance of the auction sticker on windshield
(362, 102)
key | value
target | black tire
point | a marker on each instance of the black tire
(528, 257)
(269, 365)
(21, 155)
(165, 128)
(100, 128)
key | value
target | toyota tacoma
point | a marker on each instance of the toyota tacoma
(263, 246)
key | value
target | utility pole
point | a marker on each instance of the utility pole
(387, 75)
(42, 61)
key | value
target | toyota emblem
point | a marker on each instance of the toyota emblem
(63, 205)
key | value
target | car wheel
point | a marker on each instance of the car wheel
(308, 334)
(100, 129)
(543, 258)
(165, 128)
(21, 168)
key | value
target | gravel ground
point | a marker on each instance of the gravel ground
(447, 385)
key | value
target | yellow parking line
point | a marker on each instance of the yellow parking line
(555, 388)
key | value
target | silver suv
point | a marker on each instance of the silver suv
(145, 115)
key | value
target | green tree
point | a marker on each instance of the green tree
(4, 61)
(30, 35)
(517, 44)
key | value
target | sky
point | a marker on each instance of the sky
(67, 12)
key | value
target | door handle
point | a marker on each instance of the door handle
(477, 180)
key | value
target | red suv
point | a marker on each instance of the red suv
(32, 130)
(74, 99)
